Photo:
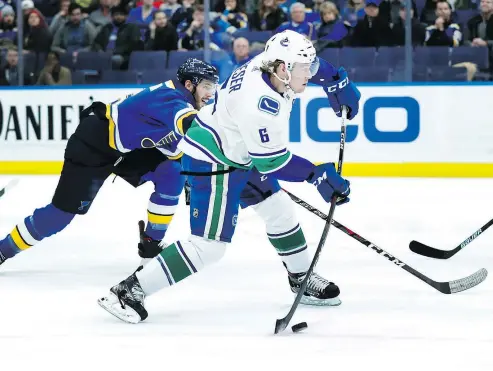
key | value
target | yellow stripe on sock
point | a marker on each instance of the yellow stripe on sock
(158, 219)
(111, 127)
(18, 240)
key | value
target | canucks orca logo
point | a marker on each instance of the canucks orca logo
(285, 42)
(269, 105)
(84, 204)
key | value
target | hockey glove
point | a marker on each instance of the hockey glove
(148, 248)
(328, 183)
(343, 92)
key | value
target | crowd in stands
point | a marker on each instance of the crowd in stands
(59, 35)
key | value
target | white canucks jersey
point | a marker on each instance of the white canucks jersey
(246, 126)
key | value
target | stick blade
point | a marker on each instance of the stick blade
(428, 251)
(281, 325)
(467, 283)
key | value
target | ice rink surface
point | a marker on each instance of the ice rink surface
(223, 318)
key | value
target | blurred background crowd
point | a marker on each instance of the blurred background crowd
(122, 41)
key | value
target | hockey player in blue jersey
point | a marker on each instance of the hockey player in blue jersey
(135, 138)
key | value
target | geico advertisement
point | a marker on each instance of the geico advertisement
(399, 124)
(395, 123)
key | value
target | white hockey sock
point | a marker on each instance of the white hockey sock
(284, 231)
(178, 261)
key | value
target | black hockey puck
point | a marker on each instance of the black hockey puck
(299, 327)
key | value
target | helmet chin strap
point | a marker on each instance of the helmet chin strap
(286, 82)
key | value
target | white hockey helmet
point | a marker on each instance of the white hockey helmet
(291, 48)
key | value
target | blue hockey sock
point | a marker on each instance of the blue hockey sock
(44, 222)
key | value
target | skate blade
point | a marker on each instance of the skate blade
(112, 305)
(308, 300)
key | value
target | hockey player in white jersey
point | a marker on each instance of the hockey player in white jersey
(244, 131)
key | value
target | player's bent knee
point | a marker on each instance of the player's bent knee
(208, 251)
(50, 220)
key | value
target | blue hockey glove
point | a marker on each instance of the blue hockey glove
(343, 92)
(328, 182)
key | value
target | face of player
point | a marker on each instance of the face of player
(204, 91)
(301, 74)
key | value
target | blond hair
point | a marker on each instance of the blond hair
(329, 7)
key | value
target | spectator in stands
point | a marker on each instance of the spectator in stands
(183, 14)
(8, 73)
(192, 34)
(316, 5)
(428, 14)
(480, 27)
(5, 3)
(239, 56)
(162, 34)
(392, 9)
(75, 35)
(353, 12)
(373, 30)
(268, 17)
(101, 16)
(298, 23)
(37, 37)
(444, 32)
(329, 15)
(399, 32)
(27, 6)
(233, 17)
(88, 6)
(142, 15)
(8, 27)
(119, 37)
(169, 7)
(60, 18)
(53, 73)
(241, 52)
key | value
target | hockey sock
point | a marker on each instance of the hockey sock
(160, 211)
(292, 248)
(44, 222)
(179, 261)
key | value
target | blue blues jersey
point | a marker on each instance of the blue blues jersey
(156, 117)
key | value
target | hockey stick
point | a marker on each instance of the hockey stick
(449, 287)
(431, 252)
(282, 323)
(11, 184)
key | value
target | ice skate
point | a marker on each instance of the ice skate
(126, 301)
(319, 291)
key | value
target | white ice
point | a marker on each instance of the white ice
(223, 318)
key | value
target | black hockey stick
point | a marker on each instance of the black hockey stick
(11, 184)
(431, 252)
(282, 323)
(449, 287)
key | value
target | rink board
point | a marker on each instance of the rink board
(418, 130)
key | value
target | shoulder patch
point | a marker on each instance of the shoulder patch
(269, 105)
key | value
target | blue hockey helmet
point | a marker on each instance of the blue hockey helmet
(196, 70)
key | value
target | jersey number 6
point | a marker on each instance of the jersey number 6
(264, 137)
